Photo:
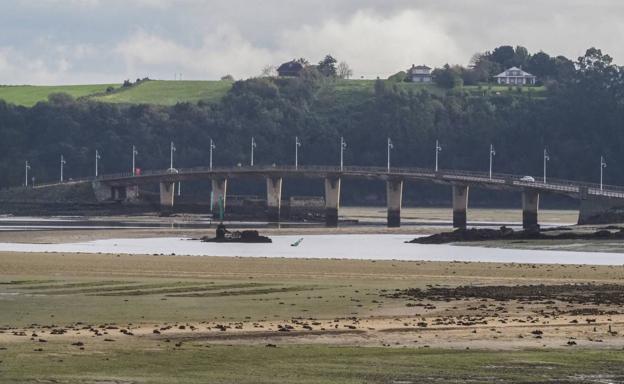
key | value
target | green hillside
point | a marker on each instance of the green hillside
(29, 95)
(161, 92)
(169, 92)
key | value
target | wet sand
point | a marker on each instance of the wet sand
(438, 218)
(285, 301)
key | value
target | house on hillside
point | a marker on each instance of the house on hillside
(418, 74)
(515, 76)
(292, 68)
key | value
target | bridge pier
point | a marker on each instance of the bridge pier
(124, 193)
(394, 196)
(218, 195)
(274, 198)
(460, 206)
(332, 201)
(167, 192)
(530, 206)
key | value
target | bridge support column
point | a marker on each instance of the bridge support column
(332, 201)
(394, 196)
(167, 192)
(274, 198)
(218, 195)
(460, 206)
(530, 206)
(132, 192)
(125, 193)
(118, 193)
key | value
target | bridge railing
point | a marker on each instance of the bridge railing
(500, 178)
(555, 185)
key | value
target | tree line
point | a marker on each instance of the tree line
(483, 66)
(580, 120)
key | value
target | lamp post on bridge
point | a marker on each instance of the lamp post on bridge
(438, 149)
(97, 158)
(297, 145)
(253, 145)
(26, 168)
(172, 149)
(492, 154)
(603, 165)
(134, 154)
(212, 146)
(343, 146)
(546, 159)
(390, 148)
(63, 162)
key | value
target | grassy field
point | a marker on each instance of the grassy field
(169, 92)
(162, 92)
(491, 89)
(29, 95)
(172, 319)
(196, 362)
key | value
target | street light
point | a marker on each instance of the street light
(438, 149)
(390, 147)
(603, 165)
(212, 146)
(97, 157)
(172, 149)
(297, 145)
(492, 154)
(63, 162)
(134, 153)
(26, 168)
(546, 159)
(253, 145)
(343, 146)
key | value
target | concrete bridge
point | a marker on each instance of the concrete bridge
(593, 197)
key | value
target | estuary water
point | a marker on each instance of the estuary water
(360, 247)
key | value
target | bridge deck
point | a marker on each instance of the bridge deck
(471, 178)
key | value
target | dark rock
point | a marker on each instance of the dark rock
(504, 233)
(225, 236)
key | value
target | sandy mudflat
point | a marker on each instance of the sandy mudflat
(74, 318)
(338, 302)
(429, 221)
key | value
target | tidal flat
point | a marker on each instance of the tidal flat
(75, 318)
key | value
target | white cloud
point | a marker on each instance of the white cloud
(17, 68)
(377, 46)
(223, 52)
(372, 45)
(102, 40)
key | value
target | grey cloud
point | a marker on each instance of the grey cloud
(76, 41)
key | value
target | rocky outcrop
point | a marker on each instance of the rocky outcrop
(504, 233)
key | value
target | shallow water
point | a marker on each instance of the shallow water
(361, 247)
(17, 223)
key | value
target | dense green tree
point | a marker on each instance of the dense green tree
(398, 77)
(541, 65)
(578, 120)
(327, 66)
(447, 77)
(504, 55)
(521, 56)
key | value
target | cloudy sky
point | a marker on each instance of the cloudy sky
(99, 41)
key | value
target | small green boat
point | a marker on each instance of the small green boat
(296, 243)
